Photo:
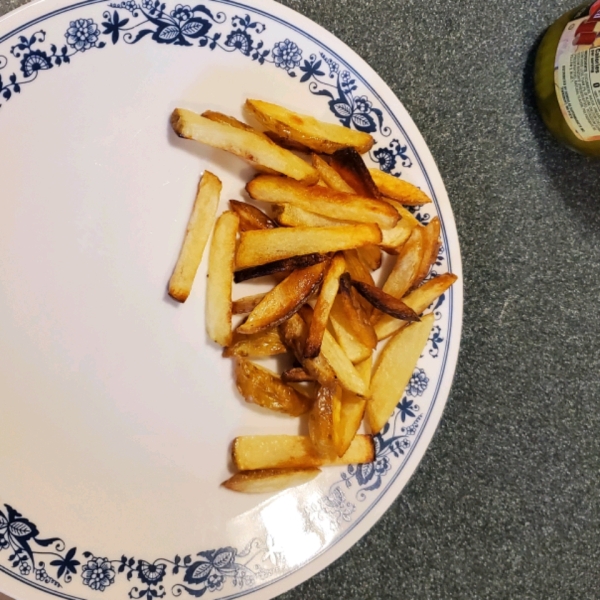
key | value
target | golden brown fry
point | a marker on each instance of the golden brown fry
(196, 236)
(353, 409)
(370, 255)
(294, 332)
(219, 117)
(418, 300)
(386, 303)
(330, 176)
(294, 451)
(246, 304)
(288, 144)
(352, 169)
(249, 145)
(342, 366)
(359, 272)
(323, 306)
(268, 481)
(405, 214)
(296, 375)
(323, 201)
(355, 350)
(398, 189)
(308, 131)
(250, 216)
(354, 316)
(260, 247)
(220, 276)
(431, 235)
(262, 387)
(284, 300)
(394, 369)
(279, 266)
(263, 343)
(294, 216)
(324, 418)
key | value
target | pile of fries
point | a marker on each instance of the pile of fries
(331, 218)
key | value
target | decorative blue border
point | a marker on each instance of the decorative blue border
(185, 25)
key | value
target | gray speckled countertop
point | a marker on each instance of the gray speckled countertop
(506, 503)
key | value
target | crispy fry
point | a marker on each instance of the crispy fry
(398, 189)
(219, 117)
(268, 481)
(418, 300)
(262, 387)
(330, 176)
(196, 236)
(246, 304)
(352, 410)
(279, 266)
(220, 275)
(260, 247)
(288, 144)
(323, 306)
(296, 375)
(251, 217)
(264, 343)
(308, 131)
(355, 317)
(342, 366)
(354, 349)
(386, 303)
(294, 451)
(359, 272)
(370, 255)
(323, 201)
(294, 332)
(431, 235)
(284, 300)
(394, 369)
(404, 213)
(252, 146)
(323, 419)
(294, 216)
(352, 169)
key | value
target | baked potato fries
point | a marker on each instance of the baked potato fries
(317, 227)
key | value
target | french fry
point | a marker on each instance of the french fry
(251, 217)
(404, 213)
(219, 117)
(359, 272)
(255, 148)
(342, 366)
(220, 276)
(260, 247)
(393, 371)
(431, 235)
(323, 201)
(279, 266)
(386, 303)
(308, 131)
(196, 236)
(404, 271)
(268, 481)
(352, 169)
(291, 215)
(264, 343)
(294, 451)
(288, 144)
(296, 375)
(355, 317)
(370, 255)
(353, 348)
(244, 305)
(398, 189)
(330, 176)
(284, 300)
(352, 410)
(262, 387)
(329, 289)
(294, 332)
(324, 419)
(418, 300)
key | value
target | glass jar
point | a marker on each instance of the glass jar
(567, 78)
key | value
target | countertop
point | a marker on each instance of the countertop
(506, 502)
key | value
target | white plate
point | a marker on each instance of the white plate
(116, 412)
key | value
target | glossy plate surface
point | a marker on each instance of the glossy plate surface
(117, 412)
